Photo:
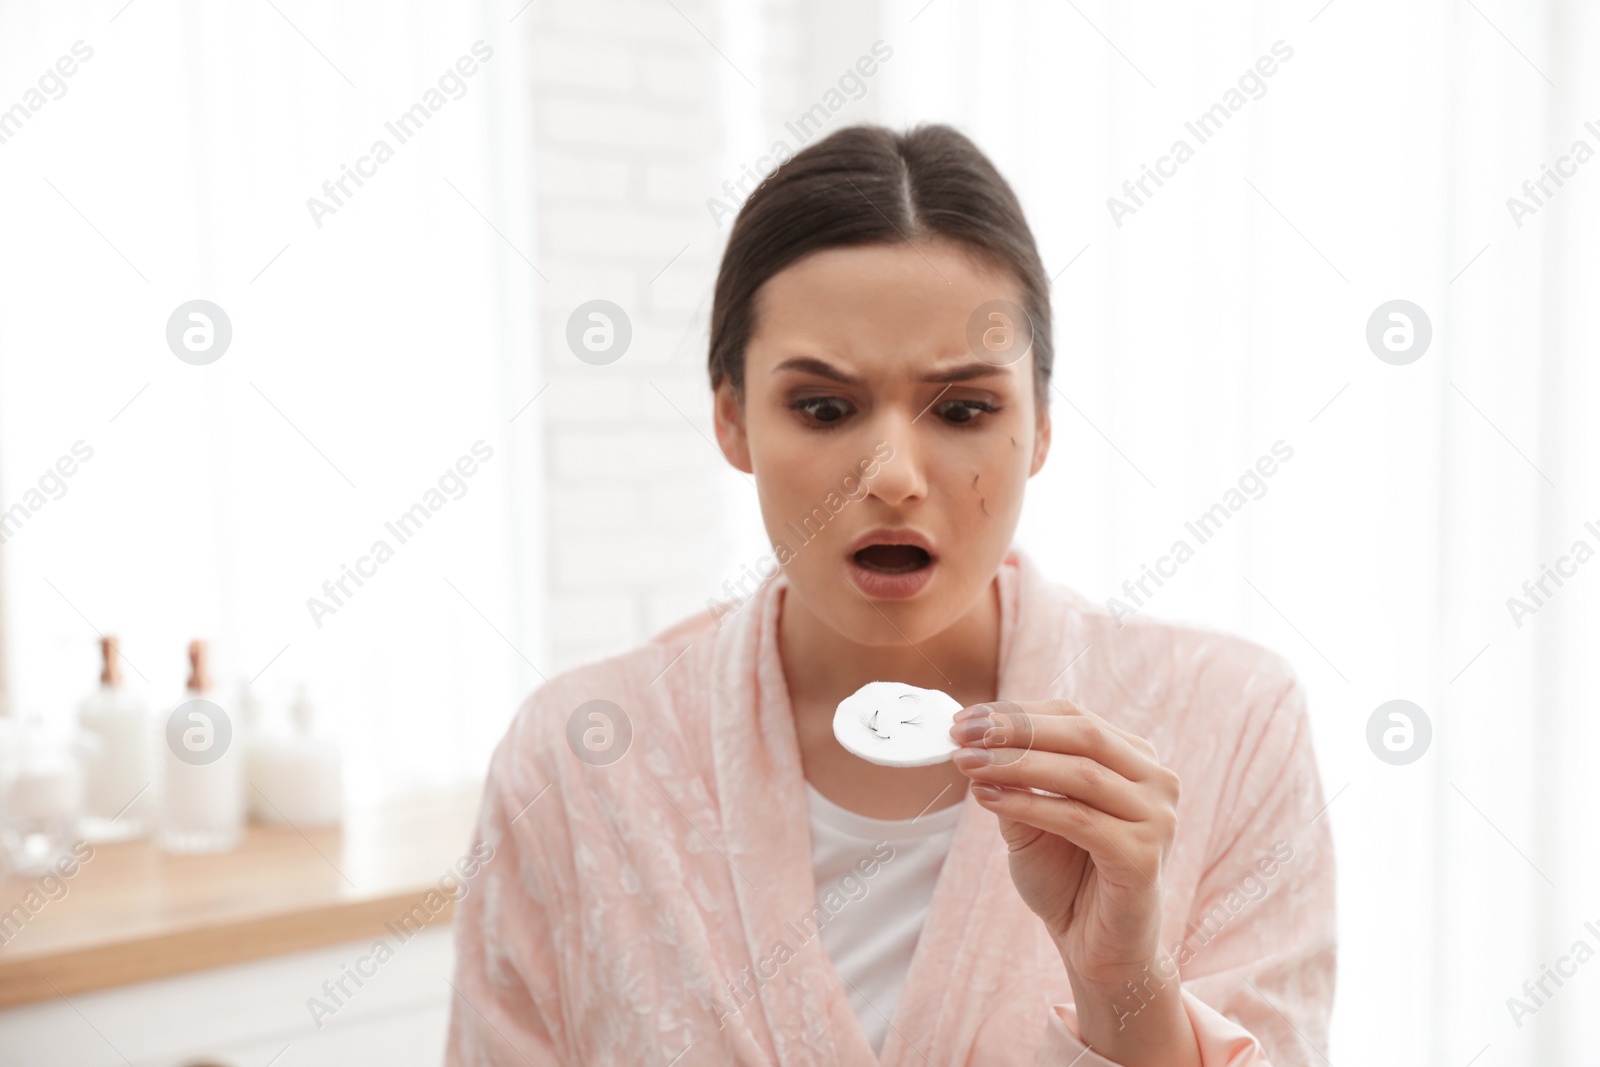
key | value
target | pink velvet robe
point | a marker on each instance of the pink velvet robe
(661, 910)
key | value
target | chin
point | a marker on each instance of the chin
(938, 601)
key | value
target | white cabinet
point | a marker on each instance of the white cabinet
(392, 1013)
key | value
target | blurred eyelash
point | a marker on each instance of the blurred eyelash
(806, 405)
(980, 406)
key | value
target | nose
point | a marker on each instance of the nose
(902, 478)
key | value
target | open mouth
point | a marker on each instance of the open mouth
(893, 559)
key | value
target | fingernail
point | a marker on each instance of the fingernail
(967, 713)
(985, 791)
(972, 757)
(972, 731)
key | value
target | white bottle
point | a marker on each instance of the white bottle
(296, 779)
(202, 804)
(119, 771)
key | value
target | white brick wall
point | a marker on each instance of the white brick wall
(631, 136)
(626, 141)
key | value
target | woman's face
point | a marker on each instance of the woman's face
(867, 407)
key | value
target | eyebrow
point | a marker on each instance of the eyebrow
(962, 373)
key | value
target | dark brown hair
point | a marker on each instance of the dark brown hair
(868, 184)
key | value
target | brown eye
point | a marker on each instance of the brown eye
(824, 409)
(965, 412)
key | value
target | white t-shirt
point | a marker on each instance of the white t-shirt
(881, 874)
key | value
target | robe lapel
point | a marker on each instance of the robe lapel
(800, 1013)
(979, 943)
(978, 965)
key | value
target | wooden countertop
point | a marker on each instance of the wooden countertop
(132, 912)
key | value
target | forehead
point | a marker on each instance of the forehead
(880, 300)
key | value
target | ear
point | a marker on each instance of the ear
(728, 415)
(1041, 439)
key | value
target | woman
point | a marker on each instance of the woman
(688, 868)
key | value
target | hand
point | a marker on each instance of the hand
(1088, 858)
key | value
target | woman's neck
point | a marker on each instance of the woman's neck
(822, 666)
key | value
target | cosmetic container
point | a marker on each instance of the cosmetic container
(116, 735)
(296, 777)
(202, 803)
(41, 801)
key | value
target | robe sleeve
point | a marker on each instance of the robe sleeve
(1257, 962)
(504, 1006)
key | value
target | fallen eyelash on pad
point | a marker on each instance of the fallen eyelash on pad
(897, 725)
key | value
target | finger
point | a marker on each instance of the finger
(1063, 706)
(1110, 842)
(1035, 726)
(1068, 775)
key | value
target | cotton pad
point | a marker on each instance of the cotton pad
(897, 725)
